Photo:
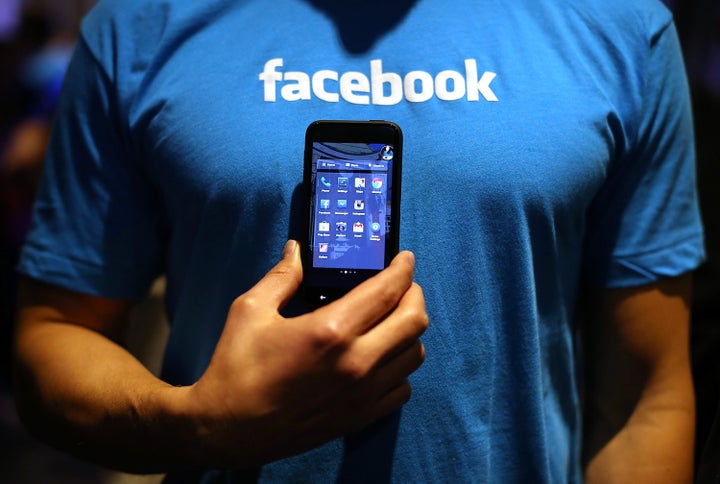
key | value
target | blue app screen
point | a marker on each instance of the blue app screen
(351, 205)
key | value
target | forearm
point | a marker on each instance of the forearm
(273, 388)
(639, 398)
(79, 391)
(654, 445)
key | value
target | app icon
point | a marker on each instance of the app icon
(324, 181)
(377, 183)
(324, 204)
(386, 153)
(343, 182)
(324, 226)
(359, 205)
(342, 204)
(375, 227)
(360, 182)
(358, 227)
(341, 226)
(323, 247)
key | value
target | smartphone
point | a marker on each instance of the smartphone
(351, 179)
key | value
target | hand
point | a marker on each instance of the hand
(276, 386)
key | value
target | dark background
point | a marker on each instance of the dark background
(36, 38)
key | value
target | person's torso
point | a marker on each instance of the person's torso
(511, 114)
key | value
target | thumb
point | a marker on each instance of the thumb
(276, 288)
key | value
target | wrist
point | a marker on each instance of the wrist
(210, 435)
(188, 427)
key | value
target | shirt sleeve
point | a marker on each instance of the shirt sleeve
(97, 223)
(644, 224)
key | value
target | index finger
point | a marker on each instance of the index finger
(361, 308)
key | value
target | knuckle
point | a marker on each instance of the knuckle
(330, 334)
(425, 321)
(423, 354)
(244, 304)
(404, 392)
(355, 369)
(390, 296)
(419, 318)
(414, 357)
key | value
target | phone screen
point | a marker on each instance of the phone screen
(351, 232)
(350, 206)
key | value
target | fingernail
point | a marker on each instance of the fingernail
(289, 249)
(409, 255)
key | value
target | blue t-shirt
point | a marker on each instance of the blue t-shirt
(548, 144)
